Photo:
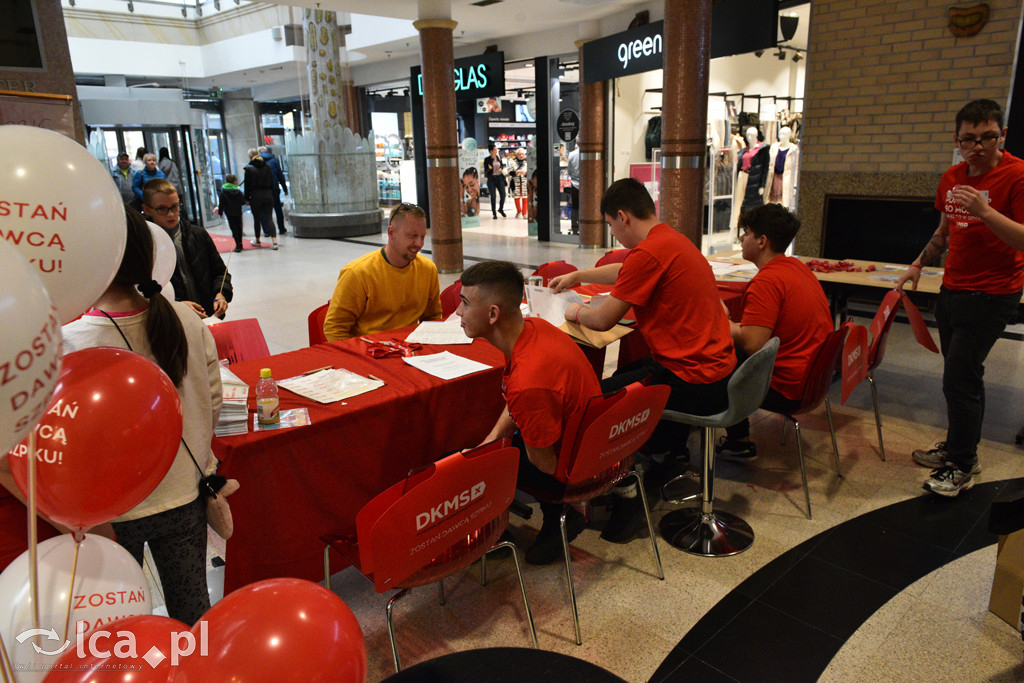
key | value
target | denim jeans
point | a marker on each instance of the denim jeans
(969, 324)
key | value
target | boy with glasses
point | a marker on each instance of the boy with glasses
(982, 227)
(200, 279)
(390, 287)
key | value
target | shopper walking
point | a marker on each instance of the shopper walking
(519, 182)
(170, 171)
(494, 171)
(260, 188)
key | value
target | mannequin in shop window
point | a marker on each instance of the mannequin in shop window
(782, 161)
(753, 172)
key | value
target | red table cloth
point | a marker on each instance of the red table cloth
(300, 483)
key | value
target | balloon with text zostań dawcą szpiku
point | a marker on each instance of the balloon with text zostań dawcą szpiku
(60, 208)
(122, 651)
(30, 347)
(109, 584)
(106, 441)
(277, 630)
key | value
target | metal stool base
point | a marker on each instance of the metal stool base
(711, 534)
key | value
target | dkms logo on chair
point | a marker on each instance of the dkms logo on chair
(449, 507)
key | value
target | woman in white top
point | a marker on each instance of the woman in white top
(172, 519)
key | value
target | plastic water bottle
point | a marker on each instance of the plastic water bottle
(267, 404)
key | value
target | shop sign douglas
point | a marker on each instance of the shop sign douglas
(568, 125)
(475, 77)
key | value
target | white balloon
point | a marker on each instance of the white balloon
(30, 347)
(165, 258)
(109, 584)
(60, 208)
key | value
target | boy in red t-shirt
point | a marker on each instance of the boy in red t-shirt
(547, 380)
(670, 287)
(783, 300)
(982, 226)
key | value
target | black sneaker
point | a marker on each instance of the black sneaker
(736, 450)
(238, 248)
(938, 457)
(547, 547)
(949, 481)
(282, 231)
(502, 213)
(627, 520)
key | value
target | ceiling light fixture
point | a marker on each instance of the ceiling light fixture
(781, 54)
(797, 57)
(758, 53)
(199, 8)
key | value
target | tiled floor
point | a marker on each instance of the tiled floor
(884, 583)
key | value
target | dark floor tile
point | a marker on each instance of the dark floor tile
(764, 644)
(674, 660)
(977, 538)
(716, 618)
(885, 556)
(695, 671)
(758, 582)
(826, 596)
(942, 522)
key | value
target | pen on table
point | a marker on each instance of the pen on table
(374, 377)
(313, 372)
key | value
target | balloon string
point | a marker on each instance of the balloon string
(5, 663)
(226, 267)
(33, 566)
(71, 590)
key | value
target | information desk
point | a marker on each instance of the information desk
(300, 483)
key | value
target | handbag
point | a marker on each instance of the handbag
(213, 488)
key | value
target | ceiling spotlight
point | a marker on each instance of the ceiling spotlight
(199, 8)
(216, 5)
(797, 57)
(71, 2)
(758, 53)
(781, 54)
(131, 7)
(184, 12)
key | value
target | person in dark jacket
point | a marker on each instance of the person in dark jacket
(260, 188)
(275, 166)
(149, 172)
(123, 177)
(231, 201)
(170, 170)
(200, 279)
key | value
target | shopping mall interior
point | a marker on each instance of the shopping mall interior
(884, 581)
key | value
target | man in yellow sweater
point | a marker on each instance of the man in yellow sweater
(388, 288)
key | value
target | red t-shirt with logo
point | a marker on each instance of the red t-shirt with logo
(786, 298)
(978, 260)
(546, 382)
(672, 290)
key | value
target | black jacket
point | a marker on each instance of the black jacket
(260, 185)
(205, 265)
(231, 202)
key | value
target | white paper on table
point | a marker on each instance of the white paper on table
(331, 385)
(445, 365)
(719, 268)
(550, 306)
(884, 278)
(439, 332)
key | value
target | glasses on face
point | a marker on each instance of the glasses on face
(164, 210)
(986, 142)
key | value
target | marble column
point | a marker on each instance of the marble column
(323, 62)
(437, 58)
(592, 159)
(684, 115)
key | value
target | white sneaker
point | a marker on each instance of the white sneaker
(949, 481)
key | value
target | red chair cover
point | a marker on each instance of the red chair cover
(881, 325)
(438, 521)
(450, 298)
(240, 340)
(613, 256)
(315, 323)
(818, 377)
(553, 269)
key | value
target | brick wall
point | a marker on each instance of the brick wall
(884, 82)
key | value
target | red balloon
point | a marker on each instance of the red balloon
(107, 440)
(84, 663)
(277, 630)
